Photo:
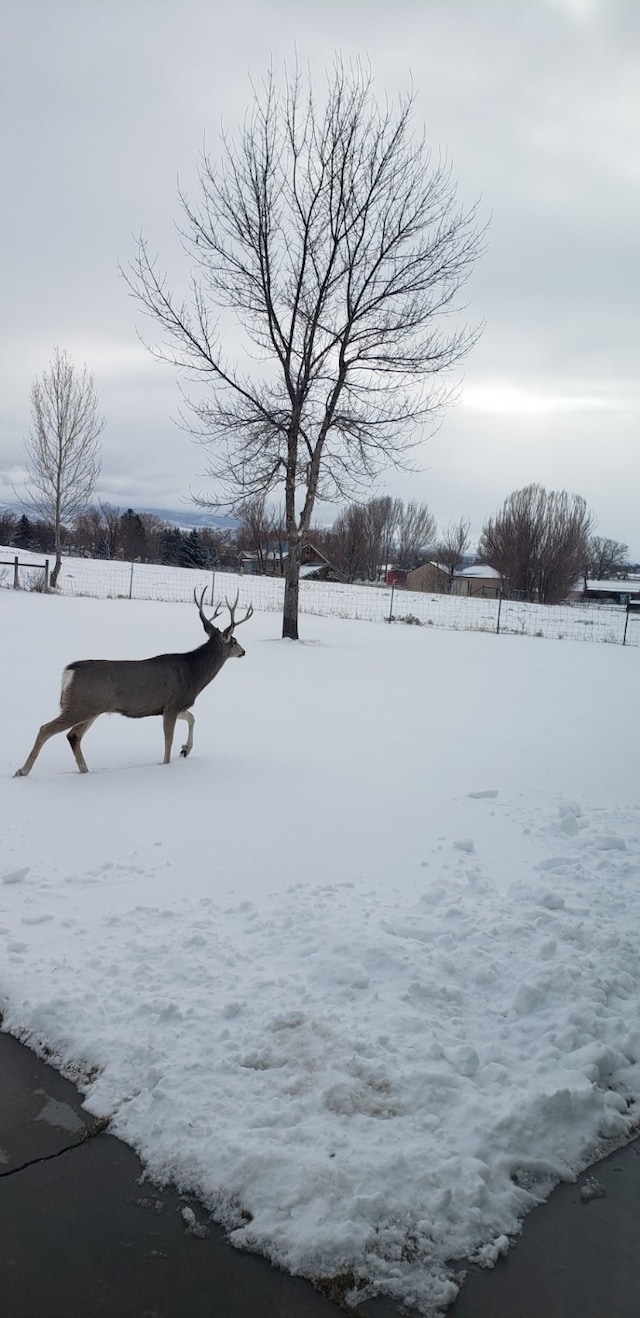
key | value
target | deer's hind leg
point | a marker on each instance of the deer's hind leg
(74, 737)
(169, 719)
(59, 724)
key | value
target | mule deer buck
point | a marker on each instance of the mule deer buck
(166, 685)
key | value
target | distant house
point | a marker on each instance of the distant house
(274, 558)
(230, 562)
(609, 592)
(431, 577)
(319, 572)
(396, 576)
(480, 580)
(250, 563)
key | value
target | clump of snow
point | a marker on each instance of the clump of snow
(193, 1227)
(592, 1188)
(368, 1017)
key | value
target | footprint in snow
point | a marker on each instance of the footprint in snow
(15, 876)
(609, 842)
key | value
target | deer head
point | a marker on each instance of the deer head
(235, 650)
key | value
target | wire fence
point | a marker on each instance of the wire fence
(110, 579)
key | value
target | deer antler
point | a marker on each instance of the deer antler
(232, 611)
(207, 623)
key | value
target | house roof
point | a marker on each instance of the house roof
(280, 548)
(481, 570)
(617, 586)
(431, 562)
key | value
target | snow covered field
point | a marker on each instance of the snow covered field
(364, 971)
(112, 579)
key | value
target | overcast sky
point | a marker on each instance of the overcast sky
(105, 104)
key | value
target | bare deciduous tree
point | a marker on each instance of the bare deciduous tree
(261, 532)
(360, 542)
(415, 535)
(339, 245)
(346, 543)
(383, 515)
(112, 518)
(454, 544)
(63, 458)
(606, 558)
(538, 542)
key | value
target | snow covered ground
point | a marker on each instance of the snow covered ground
(113, 579)
(364, 971)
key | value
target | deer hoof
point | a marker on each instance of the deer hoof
(19, 773)
(184, 752)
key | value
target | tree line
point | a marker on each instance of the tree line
(541, 542)
(103, 531)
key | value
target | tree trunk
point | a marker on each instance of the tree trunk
(291, 591)
(57, 532)
(56, 570)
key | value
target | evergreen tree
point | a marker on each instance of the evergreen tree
(132, 536)
(170, 546)
(193, 554)
(24, 535)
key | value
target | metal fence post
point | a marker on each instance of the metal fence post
(213, 584)
(131, 583)
(499, 608)
(393, 586)
(626, 624)
(46, 576)
(16, 578)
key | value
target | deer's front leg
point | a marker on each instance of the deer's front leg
(188, 718)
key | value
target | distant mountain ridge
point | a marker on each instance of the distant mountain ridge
(187, 518)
